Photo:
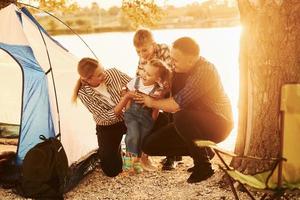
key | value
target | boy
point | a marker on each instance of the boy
(148, 49)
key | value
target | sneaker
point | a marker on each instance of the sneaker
(162, 161)
(137, 167)
(127, 163)
(176, 158)
(200, 173)
(191, 169)
(170, 164)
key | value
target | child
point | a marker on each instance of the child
(139, 120)
(148, 49)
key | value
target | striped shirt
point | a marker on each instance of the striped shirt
(161, 52)
(203, 91)
(97, 104)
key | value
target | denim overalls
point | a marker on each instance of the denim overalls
(139, 122)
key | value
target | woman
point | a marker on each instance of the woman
(100, 91)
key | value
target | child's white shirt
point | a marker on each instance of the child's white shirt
(141, 87)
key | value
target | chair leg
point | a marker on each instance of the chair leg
(230, 181)
(247, 191)
(232, 187)
(263, 196)
(277, 195)
(285, 197)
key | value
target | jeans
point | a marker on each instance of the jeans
(139, 123)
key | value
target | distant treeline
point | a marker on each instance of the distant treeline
(91, 19)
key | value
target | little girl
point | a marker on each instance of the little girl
(153, 81)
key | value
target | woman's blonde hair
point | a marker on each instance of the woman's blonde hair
(165, 73)
(85, 68)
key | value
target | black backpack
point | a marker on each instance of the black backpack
(45, 170)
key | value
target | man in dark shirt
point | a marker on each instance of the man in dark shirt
(200, 107)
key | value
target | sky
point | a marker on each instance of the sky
(109, 3)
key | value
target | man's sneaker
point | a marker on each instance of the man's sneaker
(176, 158)
(162, 161)
(200, 173)
(169, 164)
(191, 169)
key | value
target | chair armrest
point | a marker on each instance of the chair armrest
(214, 146)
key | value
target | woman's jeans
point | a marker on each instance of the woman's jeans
(139, 123)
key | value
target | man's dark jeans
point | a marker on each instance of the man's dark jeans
(178, 137)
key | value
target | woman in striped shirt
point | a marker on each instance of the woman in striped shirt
(100, 91)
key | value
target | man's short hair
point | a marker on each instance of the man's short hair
(187, 46)
(142, 36)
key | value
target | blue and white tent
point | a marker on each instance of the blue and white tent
(37, 77)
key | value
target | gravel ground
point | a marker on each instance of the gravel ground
(148, 185)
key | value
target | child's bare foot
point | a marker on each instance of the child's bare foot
(147, 163)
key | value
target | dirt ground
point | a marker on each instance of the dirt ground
(149, 185)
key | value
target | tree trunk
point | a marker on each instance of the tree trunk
(269, 58)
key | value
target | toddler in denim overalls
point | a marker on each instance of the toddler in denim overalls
(139, 120)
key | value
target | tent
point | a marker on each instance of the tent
(37, 76)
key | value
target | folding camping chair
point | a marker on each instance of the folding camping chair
(285, 173)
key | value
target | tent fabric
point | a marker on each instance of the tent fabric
(11, 27)
(36, 118)
(11, 74)
(28, 14)
(46, 106)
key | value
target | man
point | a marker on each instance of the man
(200, 107)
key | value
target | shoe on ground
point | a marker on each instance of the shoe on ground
(163, 160)
(137, 167)
(176, 158)
(200, 173)
(127, 163)
(170, 164)
(191, 169)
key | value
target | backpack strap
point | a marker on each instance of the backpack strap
(61, 170)
(42, 137)
(57, 147)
